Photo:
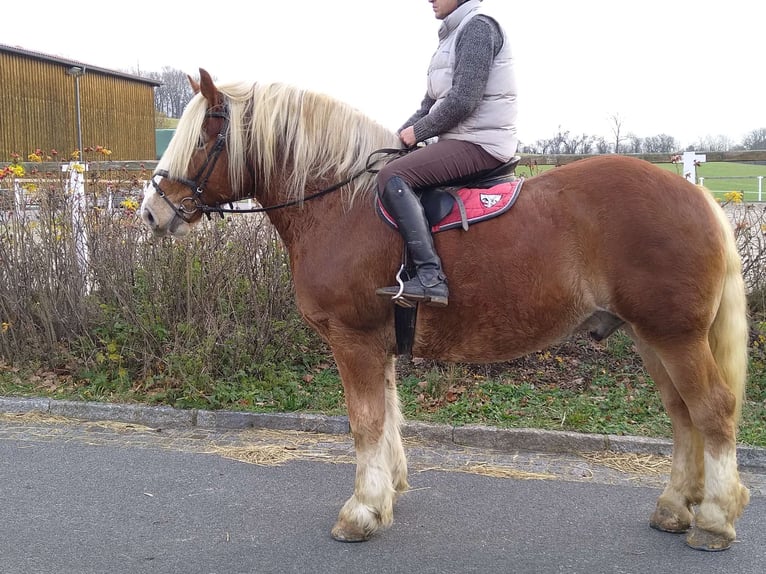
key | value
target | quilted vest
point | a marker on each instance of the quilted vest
(492, 125)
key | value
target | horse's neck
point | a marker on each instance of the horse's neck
(296, 223)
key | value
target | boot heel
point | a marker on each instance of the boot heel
(436, 301)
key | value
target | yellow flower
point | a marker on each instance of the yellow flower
(734, 196)
(34, 157)
(78, 167)
(4, 326)
(17, 170)
(75, 154)
(129, 203)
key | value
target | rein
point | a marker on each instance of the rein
(190, 205)
(220, 210)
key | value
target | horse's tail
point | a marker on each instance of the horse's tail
(729, 333)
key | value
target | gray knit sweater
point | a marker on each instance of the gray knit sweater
(476, 48)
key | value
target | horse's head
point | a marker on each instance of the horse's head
(193, 174)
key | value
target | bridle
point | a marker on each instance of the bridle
(193, 203)
(189, 205)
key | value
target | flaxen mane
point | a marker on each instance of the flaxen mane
(286, 131)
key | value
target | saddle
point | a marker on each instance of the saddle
(466, 200)
(456, 203)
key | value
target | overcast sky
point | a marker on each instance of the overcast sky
(686, 68)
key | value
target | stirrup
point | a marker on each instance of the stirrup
(398, 299)
(434, 296)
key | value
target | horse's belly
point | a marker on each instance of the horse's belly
(487, 338)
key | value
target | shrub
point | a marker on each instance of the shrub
(173, 316)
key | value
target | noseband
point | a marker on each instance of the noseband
(189, 205)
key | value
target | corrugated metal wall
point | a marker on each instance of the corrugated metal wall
(37, 110)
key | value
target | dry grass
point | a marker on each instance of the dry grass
(643, 464)
(503, 472)
(34, 417)
(40, 418)
(269, 455)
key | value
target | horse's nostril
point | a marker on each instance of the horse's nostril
(148, 217)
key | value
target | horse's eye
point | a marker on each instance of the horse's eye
(201, 143)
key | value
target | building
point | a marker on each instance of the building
(43, 97)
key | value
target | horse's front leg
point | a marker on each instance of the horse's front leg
(375, 416)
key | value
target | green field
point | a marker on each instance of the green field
(719, 177)
(726, 177)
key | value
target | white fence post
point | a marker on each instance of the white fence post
(77, 189)
(18, 200)
(109, 200)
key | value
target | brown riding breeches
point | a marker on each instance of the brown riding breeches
(436, 163)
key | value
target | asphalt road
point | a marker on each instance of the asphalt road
(88, 497)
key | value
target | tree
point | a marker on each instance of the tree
(662, 143)
(175, 92)
(616, 131)
(756, 139)
(635, 143)
(577, 144)
(602, 146)
(534, 148)
(565, 143)
(713, 143)
(557, 142)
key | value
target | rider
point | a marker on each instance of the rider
(470, 105)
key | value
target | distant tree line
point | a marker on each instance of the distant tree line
(171, 98)
(564, 142)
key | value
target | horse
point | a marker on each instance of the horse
(601, 243)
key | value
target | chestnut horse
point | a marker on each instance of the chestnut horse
(600, 243)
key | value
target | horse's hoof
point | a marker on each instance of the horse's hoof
(706, 540)
(666, 520)
(345, 532)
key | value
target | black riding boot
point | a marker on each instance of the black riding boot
(429, 286)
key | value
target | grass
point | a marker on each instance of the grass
(726, 177)
(577, 386)
(719, 177)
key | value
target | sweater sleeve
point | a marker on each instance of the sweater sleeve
(479, 41)
(425, 107)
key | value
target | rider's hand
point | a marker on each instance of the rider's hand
(407, 135)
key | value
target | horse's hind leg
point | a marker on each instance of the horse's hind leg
(674, 510)
(375, 417)
(711, 409)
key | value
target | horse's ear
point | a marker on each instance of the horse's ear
(194, 85)
(207, 87)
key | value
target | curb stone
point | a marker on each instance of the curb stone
(477, 436)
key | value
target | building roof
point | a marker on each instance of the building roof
(69, 63)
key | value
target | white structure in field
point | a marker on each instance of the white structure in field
(691, 160)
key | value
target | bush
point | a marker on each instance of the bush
(172, 317)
